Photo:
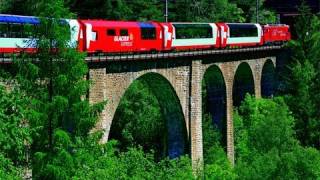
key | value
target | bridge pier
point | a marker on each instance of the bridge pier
(196, 114)
(228, 72)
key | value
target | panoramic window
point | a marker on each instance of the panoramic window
(193, 31)
(15, 30)
(243, 30)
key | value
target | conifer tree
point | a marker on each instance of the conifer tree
(53, 78)
(303, 79)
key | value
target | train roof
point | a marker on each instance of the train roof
(116, 24)
(5, 18)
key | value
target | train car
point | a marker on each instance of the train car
(243, 34)
(119, 36)
(276, 34)
(16, 33)
(188, 36)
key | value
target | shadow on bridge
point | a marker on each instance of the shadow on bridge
(150, 115)
(213, 110)
(268, 80)
(243, 83)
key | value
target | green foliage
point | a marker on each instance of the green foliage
(55, 87)
(148, 112)
(211, 139)
(4, 6)
(140, 10)
(207, 11)
(90, 160)
(265, 143)
(138, 120)
(216, 163)
(249, 8)
(7, 169)
(15, 135)
(47, 105)
(303, 78)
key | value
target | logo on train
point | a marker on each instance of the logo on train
(124, 40)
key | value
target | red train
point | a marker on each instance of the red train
(94, 36)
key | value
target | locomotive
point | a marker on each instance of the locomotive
(103, 36)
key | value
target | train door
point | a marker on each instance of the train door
(167, 35)
(223, 28)
(224, 35)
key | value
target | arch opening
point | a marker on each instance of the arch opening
(243, 83)
(268, 80)
(150, 115)
(214, 110)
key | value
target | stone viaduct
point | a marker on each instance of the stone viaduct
(111, 79)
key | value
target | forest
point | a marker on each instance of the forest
(46, 121)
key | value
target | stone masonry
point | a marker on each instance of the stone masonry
(111, 80)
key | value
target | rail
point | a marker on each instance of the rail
(162, 55)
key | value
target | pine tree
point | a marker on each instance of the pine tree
(303, 86)
(53, 78)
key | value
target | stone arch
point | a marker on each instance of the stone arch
(214, 102)
(243, 83)
(175, 136)
(268, 79)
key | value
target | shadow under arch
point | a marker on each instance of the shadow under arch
(165, 131)
(243, 83)
(214, 110)
(268, 79)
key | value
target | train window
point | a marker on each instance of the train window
(243, 30)
(94, 36)
(3, 30)
(18, 30)
(111, 32)
(193, 31)
(148, 33)
(15, 30)
(124, 32)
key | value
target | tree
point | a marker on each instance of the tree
(249, 8)
(265, 143)
(53, 79)
(302, 81)
(138, 10)
(138, 120)
(15, 133)
(4, 6)
(206, 11)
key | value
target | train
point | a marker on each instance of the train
(105, 36)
